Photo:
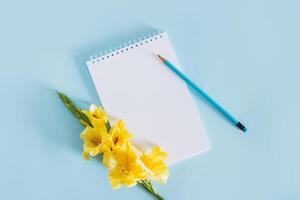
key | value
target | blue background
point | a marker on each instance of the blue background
(244, 53)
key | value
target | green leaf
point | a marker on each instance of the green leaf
(73, 109)
(108, 126)
(86, 119)
(69, 104)
(62, 97)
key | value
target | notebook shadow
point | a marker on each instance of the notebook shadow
(84, 52)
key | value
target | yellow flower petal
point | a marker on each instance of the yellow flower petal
(119, 134)
(108, 160)
(97, 116)
(126, 168)
(98, 112)
(154, 161)
(95, 141)
(85, 155)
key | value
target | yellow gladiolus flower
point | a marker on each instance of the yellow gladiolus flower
(125, 168)
(95, 141)
(118, 137)
(96, 115)
(119, 134)
(127, 164)
(154, 161)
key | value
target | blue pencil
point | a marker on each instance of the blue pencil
(201, 92)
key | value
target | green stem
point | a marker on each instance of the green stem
(148, 186)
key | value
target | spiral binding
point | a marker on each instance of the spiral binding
(127, 46)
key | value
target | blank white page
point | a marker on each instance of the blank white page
(136, 86)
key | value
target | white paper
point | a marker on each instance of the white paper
(155, 104)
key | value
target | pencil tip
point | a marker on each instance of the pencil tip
(160, 57)
(241, 126)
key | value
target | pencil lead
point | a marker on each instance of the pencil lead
(161, 58)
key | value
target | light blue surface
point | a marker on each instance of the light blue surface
(244, 53)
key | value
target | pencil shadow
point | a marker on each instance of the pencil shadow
(84, 52)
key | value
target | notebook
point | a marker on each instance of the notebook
(156, 105)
